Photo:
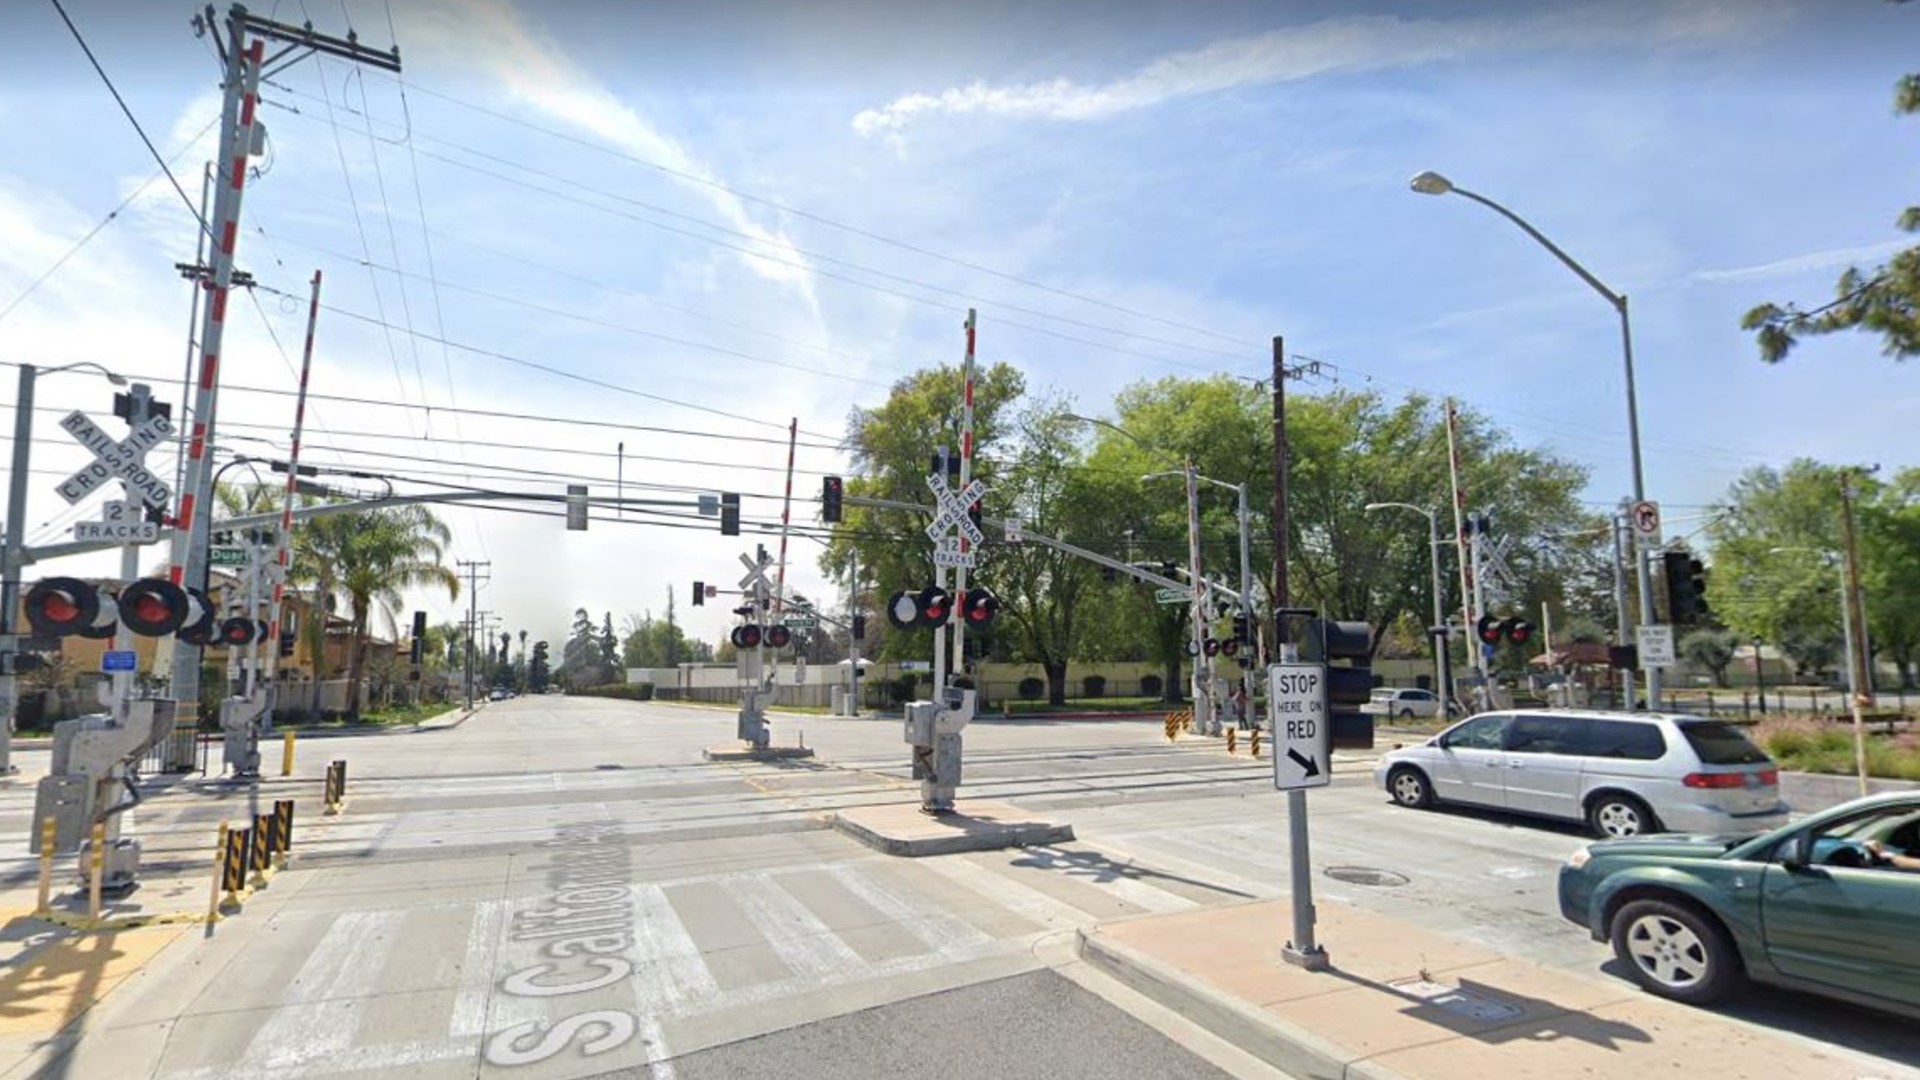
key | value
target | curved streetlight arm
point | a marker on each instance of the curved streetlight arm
(1618, 300)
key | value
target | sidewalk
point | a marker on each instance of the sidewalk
(1403, 1003)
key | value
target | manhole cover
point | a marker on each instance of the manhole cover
(609, 766)
(1366, 875)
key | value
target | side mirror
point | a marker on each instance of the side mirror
(1796, 852)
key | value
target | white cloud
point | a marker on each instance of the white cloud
(491, 35)
(1830, 259)
(1345, 44)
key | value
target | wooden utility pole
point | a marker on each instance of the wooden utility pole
(1859, 666)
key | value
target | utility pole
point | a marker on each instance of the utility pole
(472, 569)
(1202, 675)
(243, 61)
(1459, 501)
(11, 556)
(1859, 666)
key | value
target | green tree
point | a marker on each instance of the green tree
(1885, 301)
(1774, 573)
(892, 446)
(1710, 649)
(370, 557)
(538, 673)
(609, 645)
(1890, 571)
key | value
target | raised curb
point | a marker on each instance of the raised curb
(748, 753)
(993, 837)
(1287, 1047)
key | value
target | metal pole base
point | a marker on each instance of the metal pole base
(1312, 960)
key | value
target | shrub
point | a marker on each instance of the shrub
(1032, 689)
(1094, 686)
(624, 691)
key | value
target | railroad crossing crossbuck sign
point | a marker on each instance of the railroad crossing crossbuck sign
(756, 580)
(116, 460)
(953, 512)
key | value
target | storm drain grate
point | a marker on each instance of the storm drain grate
(1366, 875)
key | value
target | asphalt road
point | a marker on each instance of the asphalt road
(1037, 1026)
(411, 934)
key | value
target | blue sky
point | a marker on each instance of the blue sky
(721, 205)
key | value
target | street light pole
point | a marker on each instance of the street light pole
(1432, 183)
(1439, 611)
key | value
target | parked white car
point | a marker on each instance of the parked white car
(1403, 703)
(1623, 773)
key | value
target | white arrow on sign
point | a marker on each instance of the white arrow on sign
(116, 459)
(1302, 731)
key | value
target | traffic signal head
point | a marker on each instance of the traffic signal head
(1347, 687)
(1686, 587)
(699, 594)
(832, 489)
(1242, 630)
(859, 628)
(729, 513)
(980, 608)
(63, 605)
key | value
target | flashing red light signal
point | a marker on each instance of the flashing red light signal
(980, 607)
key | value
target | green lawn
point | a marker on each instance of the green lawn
(1805, 745)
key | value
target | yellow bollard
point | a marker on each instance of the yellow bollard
(219, 872)
(96, 868)
(1255, 742)
(49, 829)
(1230, 740)
(286, 754)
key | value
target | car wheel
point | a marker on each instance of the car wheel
(1618, 817)
(1675, 951)
(1406, 714)
(1408, 786)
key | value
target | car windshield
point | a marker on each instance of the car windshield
(1720, 743)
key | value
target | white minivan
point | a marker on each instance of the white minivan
(1623, 773)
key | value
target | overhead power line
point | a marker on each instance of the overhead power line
(131, 119)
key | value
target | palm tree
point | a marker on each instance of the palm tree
(369, 557)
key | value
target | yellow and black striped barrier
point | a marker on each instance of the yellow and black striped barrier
(1253, 742)
(335, 794)
(1178, 721)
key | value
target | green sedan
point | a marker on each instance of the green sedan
(1829, 905)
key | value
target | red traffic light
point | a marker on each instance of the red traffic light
(1488, 628)
(1519, 631)
(778, 637)
(980, 608)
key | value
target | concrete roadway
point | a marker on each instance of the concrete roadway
(454, 921)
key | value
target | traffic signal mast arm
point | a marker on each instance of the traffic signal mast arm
(1027, 534)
